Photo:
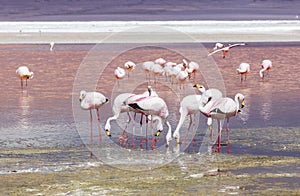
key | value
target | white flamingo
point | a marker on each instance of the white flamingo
(182, 77)
(24, 73)
(129, 66)
(266, 66)
(157, 70)
(89, 101)
(190, 105)
(147, 66)
(218, 45)
(119, 73)
(51, 46)
(192, 68)
(243, 70)
(226, 49)
(160, 61)
(154, 105)
(223, 108)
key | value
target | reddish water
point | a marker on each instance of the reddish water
(41, 114)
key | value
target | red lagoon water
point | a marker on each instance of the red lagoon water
(41, 114)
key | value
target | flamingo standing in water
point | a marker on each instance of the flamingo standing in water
(156, 106)
(119, 73)
(190, 105)
(24, 73)
(266, 66)
(226, 49)
(89, 101)
(129, 66)
(243, 69)
(223, 108)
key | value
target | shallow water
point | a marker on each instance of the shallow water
(40, 116)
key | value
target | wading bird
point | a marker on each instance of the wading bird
(24, 73)
(129, 66)
(190, 106)
(153, 105)
(226, 49)
(223, 108)
(266, 66)
(243, 70)
(119, 73)
(89, 101)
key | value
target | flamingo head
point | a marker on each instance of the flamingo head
(82, 95)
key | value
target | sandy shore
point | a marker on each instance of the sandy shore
(199, 31)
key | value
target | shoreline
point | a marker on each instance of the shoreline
(194, 31)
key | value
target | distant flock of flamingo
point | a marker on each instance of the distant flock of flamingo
(210, 102)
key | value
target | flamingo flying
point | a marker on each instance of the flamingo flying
(243, 69)
(226, 49)
(266, 66)
(89, 101)
(223, 108)
(24, 73)
(218, 45)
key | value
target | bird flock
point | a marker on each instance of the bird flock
(154, 109)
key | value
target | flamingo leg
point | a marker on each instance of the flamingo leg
(146, 131)
(91, 126)
(152, 125)
(141, 131)
(133, 130)
(21, 83)
(98, 115)
(219, 137)
(187, 132)
(227, 133)
(26, 82)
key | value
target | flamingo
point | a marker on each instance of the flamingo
(266, 66)
(129, 66)
(243, 69)
(181, 77)
(24, 73)
(119, 73)
(160, 61)
(223, 108)
(192, 68)
(147, 66)
(51, 46)
(89, 101)
(157, 70)
(226, 49)
(218, 45)
(190, 105)
(153, 105)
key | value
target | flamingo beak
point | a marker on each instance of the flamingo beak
(107, 133)
(80, 98)
(197, 86)
(177, 140)
(243, 103)
(158, 133)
